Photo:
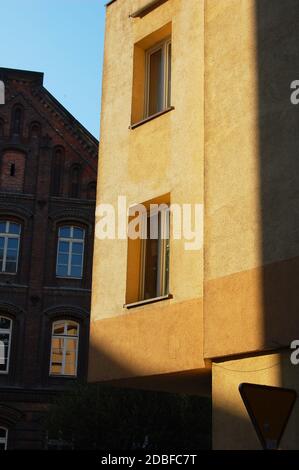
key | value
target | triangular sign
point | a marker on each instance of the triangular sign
(269, 409)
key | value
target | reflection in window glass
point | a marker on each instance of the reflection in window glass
(158, 80)
(64, 350)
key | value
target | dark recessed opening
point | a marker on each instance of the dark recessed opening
(12, 169)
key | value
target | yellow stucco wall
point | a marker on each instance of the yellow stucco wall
(163, 156)
(251, 147)
(232, 428)
(231, 143)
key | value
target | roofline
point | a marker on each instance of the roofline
(70, 116)
(19, 72)
(39, 77)
(109, 3)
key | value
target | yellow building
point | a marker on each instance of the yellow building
(196, 111)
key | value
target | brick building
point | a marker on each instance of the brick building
(48, 168)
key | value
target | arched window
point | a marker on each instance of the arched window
(35, 130)
(64, 348)
(57, 171)
(17, 120)
(3, 438)
(75, 180)
(70, 252)
(5, 341)
(9, 246)
(92, 190)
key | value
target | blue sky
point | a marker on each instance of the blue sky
(64, 39)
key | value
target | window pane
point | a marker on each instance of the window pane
(70, 358)
(2, 227)
(63, 247)
(63, 259)
(13, 243)
(11, 267)
(57, 356)
(72, 329)
(151, 262)
(78, 233)
(155, 86)
(2, 433)
(70, 368)
(58, 331)
(56, 369)
(1, 251)
(65, 232)
(77, 260)
(61, 270)
(4, 348)
(4, 323)
(76, 271)
(77, 248)
(14, 228)
(71, 345)
(11, 255)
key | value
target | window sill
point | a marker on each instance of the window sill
(61, 376)
(140, 303)
(150, 118)
(69, 277)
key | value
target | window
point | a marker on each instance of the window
(3, 438)
(148, 254)
(9, 246)
(92, 190)
(5, 341)
(154, 265)
(17, 118)
(158, 78)
(35, 130)
(70, 252)
(64, 348)
(57, 171)
(75, 181)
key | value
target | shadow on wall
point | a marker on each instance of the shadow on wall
(123, 416)
(278, 65)
(277, 60)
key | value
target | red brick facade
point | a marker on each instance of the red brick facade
(48, 168)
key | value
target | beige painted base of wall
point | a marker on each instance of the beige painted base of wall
(232, 428)
(161, 338)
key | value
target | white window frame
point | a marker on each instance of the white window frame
(3, 440)
(164, 46)
(70, 241)
(65, 337)
(9, 332)
(163, 239)
(6, 236)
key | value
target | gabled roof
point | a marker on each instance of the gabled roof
(51, 105)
